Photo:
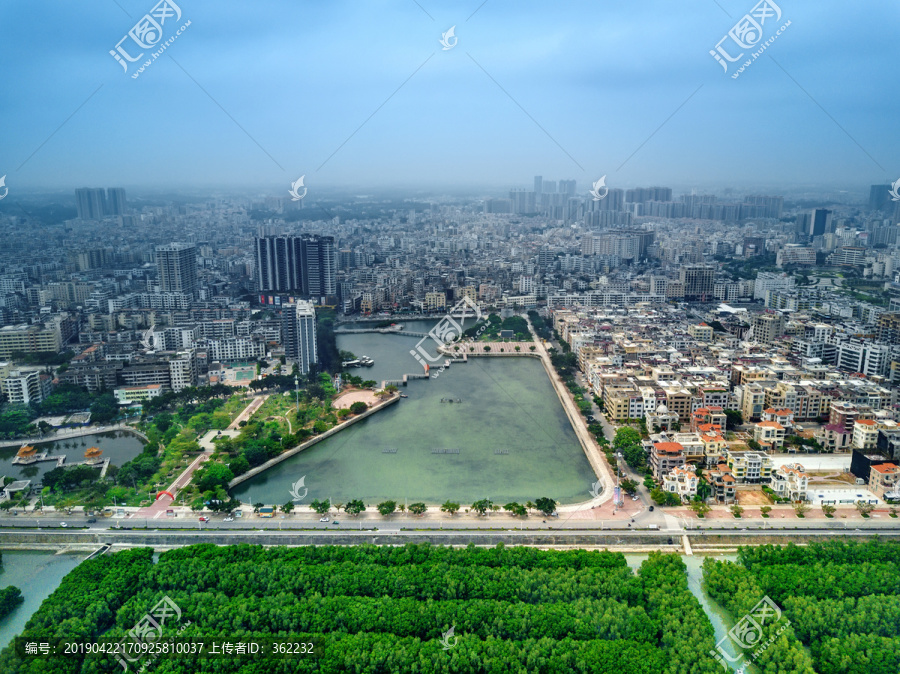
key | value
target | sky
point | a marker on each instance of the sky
(362, 94)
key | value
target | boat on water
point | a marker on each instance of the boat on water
(403, 395)
(365, 361)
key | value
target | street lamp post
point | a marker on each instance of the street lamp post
(297, 392)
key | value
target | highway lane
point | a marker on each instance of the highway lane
(77, 524)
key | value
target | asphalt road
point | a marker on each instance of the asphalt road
(533, 524)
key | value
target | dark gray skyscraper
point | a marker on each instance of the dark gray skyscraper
(538, 184)
(115, 201)
(90, 203)
(879, 196)
(820, 222)
(305, 264)
(177, 266)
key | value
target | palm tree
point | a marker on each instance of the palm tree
(529, 505)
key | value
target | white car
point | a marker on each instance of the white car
(63, 525)
(324, 519)
(228, 519)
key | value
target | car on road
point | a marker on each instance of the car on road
(635, 498)
(228, 519)
(204, 519)
(91, 520)
(651, 508)
(335, 522)
(63, 525)
(325, 519)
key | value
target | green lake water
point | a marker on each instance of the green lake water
(119, 446)
(506, 405)
(37, 574)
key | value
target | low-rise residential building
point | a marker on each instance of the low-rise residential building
(785, 417)
(769, 434)
(834, 438)
(884, 481)
(865, 434)
(791, 482)
(722, 483)
(749, 467)
(127, 395)
(664, 456)
(681, 481)
(701, 332)
(714, 416)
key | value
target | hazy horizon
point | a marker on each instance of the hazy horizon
(364, 98)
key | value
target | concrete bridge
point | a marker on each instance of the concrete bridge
(404, 381)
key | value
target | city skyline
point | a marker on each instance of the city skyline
(366, 96)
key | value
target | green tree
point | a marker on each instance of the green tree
(864, 508)
(450, 507)
(321, 507)
(516, 509)
(358, 407)
(239, 465)
(287, 507)
(801, 508)
(354, 507)
(386, 507)
(213, 475)
(545, 505)
(417, 508)
(10, 597)
(733, 419)
(701, 508)
(629, 487)
(828, 510)
(765, 510)
(736, 510)
(625, 437)
(482, 506)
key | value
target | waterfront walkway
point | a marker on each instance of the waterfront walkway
(165, 501)
(591, 449)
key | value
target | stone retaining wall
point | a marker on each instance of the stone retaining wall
(312, 441)
(616, 539)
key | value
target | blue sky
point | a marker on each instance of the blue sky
(268, 91)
